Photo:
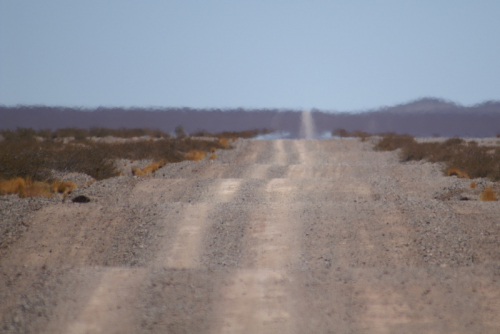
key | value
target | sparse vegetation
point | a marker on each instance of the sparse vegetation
(179, 132)
(468, 160)
(488, 195)
(452, 171)
(246, 134)
(26, 154)
(28, 188)
(149, 169)
(342, 133)
(224, 142)
(63, 187)
(79, 134)
(195, 155)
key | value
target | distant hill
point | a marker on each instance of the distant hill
(422, 117)
(423, 105)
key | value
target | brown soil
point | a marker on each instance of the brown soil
(286, 236)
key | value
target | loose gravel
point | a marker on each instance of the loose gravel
(272, 236)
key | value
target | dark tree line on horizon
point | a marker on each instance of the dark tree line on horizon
(424, 117)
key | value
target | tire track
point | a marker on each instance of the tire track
(274, 237)
(257, 299)
(110, 308)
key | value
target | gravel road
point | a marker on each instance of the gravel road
(282, 236)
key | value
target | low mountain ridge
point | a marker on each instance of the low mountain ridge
(422, 117)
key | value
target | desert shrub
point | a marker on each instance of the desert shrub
(37, 189)
(200, 145)
(245, 134)
(476, 162)
(473, 185)
(340, 133)
(452, 171)
(149, 169)
(224, 142)
(488, 195)
(179, 132)
(45, 134)
(80, 134)
(158, 134)
(28, 188)
(127, 133)
(62, 187)
(213, 156)
(76, 133)
(461, 159)
(392, 141)
(201, 133)
(453, 141)
(94, 159)
(34, 160)
(13, 186)
(195, 155)
(473, 143)
(19, 134)
(25, 157)
(361, 134)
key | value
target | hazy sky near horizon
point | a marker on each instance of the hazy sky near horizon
(330, 55)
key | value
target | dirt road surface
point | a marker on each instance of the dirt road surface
(284, 236)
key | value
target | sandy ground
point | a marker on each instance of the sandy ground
(284, 236)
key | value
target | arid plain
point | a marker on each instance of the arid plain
(274, 236)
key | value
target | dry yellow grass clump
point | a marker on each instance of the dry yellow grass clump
(63, 187)
(224, 142)
(213, 156)
(138, 172)
(488, 195)
(13, 186)
(213, 149)
(457, 172)
(27, 188)
(37, 189)
(149, 169)
(473, 184)
(195, 155)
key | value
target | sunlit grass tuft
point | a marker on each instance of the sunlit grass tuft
(224, 142)
(488, 195)
(28, 188)
(13, 186)
(63, 187)
(149, 169)
(195, 155)
(452, 171)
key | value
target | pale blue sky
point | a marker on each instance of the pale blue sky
(331, 55)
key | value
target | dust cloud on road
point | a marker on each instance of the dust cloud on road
(283, 236)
